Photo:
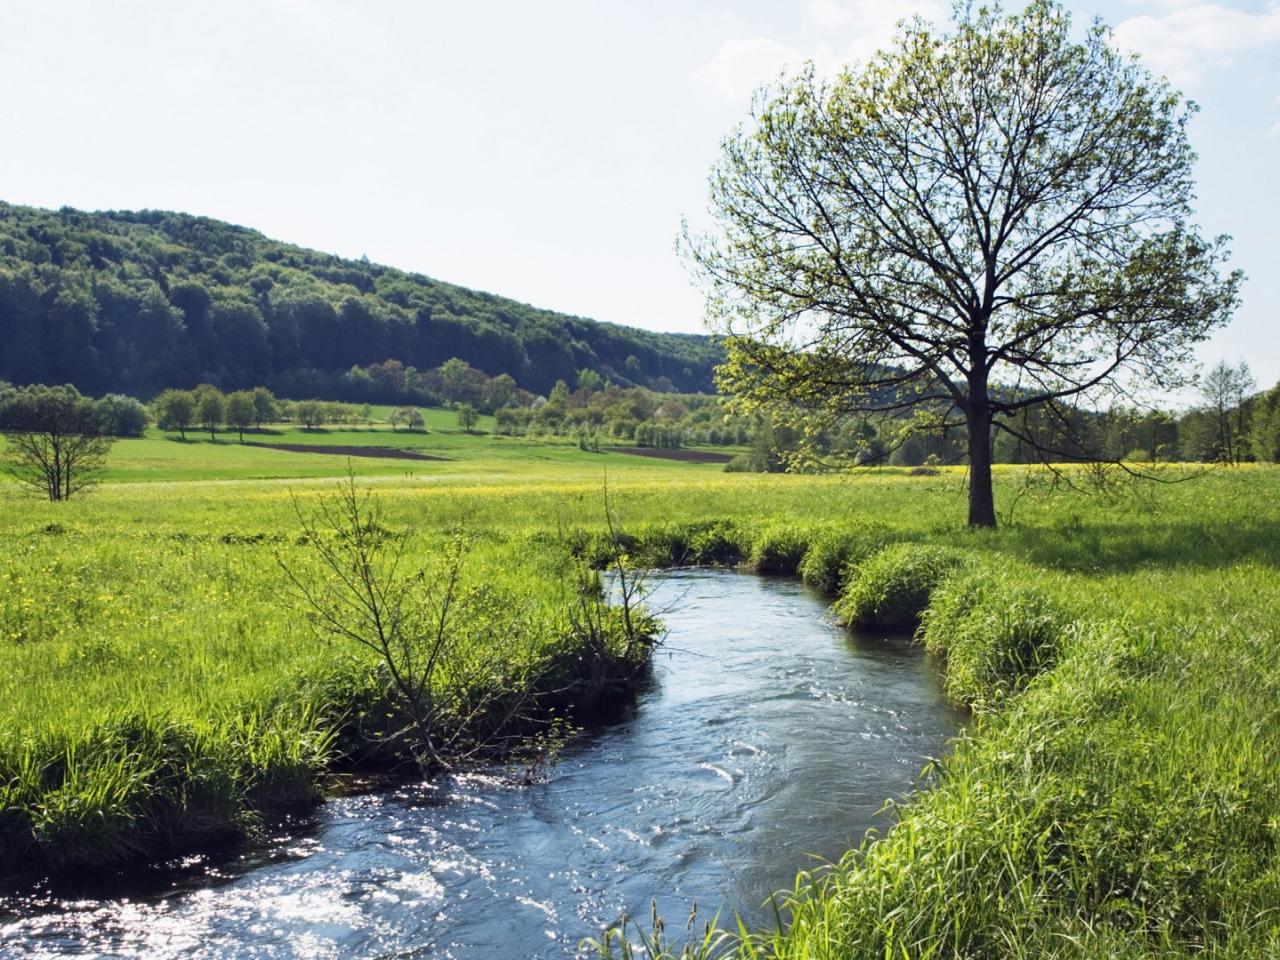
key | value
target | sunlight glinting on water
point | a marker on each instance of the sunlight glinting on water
(769, 736)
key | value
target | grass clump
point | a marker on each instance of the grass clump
(893, 587)
(779, 549)
(832, 553)
(996, 630)
(141, 786)
(713, 542)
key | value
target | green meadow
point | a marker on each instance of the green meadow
(1116, 794)
(159, 456)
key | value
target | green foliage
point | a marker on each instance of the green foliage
(872, 252)
(892, 588)
(55, 438)
(241, 411)
(122, 416)
(210, 408)
(310, 413)
(1264, 428)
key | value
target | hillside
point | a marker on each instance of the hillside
(137, 302)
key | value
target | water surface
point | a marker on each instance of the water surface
(770, 737)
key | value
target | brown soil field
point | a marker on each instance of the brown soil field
(688, 456)
(385, 453)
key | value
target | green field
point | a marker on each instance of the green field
(164, 456)
(1117, 794)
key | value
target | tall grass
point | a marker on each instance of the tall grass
(1116, 796)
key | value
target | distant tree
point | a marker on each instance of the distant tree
(1264, 428)
(588, 379)
(558, 398)
(1224, 391)
(396, 417)
(671, 409)
(310, 413)
(122, 416)
(507, 420)
(453, 375)
(55, 441)
(211, 408)
(413, 418)
(265, 406)
(366, 414)
(467, 416)
(503, 392)
(175, 410)
(241, 412)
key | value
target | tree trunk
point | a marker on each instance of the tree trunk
(982, 504)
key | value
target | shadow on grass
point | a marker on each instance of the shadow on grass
(1119, 547)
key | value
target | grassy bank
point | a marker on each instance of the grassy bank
(164, 688)
(1116, 796)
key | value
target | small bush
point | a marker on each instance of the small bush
(892, 588)
(996, 633)
(831, 554)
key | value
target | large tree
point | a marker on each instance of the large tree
(976, 223)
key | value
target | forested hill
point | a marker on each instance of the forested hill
(137, 302)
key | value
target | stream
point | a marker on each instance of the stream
(769, 738)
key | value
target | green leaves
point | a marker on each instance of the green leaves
(973, 223)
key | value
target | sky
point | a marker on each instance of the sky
(543, 151)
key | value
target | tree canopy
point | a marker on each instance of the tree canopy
(56, 445)
(975, 224)
(138, 302)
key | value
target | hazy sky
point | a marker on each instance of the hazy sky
(545, 151)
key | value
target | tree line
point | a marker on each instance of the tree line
(1229, 422)
(57, 439)
(137, 302)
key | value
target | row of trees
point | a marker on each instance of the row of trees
(208, 409)
(1230, 423)
(625, 414)
(113, 415)
(454, 381)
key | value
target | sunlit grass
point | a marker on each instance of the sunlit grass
(1117, 795)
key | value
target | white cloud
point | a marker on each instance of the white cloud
(1189, 40)
(870, 23)
(853, 30)
(744, 63)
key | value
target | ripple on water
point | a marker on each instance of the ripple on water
(770, 736)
